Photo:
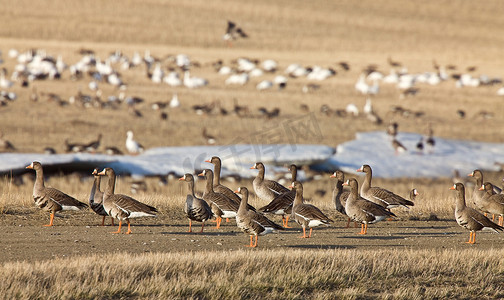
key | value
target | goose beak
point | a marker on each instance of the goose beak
(237, 191)
(201, 174)
(209, 161)
(481, 188)
(94, 172)
(30, 166)
(181, 178)
(345, 183)
(452, 188)
(471, 174)
(253, 167)
(359, 169)
(102, 172)
(332, 176)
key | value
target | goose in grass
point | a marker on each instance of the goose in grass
(339, 196)
(266, 189)
(96, 198)
(251, 222)
(361, 210)
(306, 215)
(51, 199)
(492, 203)
(469, 218)
(233, 32)
(282, 204)
(132, 145)
(120, 206)
(196, 209)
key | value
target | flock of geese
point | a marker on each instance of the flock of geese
(365, 205)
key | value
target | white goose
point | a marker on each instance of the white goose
(133, 146)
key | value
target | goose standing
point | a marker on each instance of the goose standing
(251, 222)
(222, 206)
(266, 189)
(379, 195)
(478, 194)
(339, 196)
(96, 198)
(133, 146)
(120, 206)
(282, 204)
(306, 215)
(362, 210)
(493, 203)
(468, 217)
(413, 194)
(196, 209)
(51, 199)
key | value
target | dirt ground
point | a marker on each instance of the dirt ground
(24, 237)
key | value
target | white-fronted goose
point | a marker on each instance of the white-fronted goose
(96, 198)
(477, 194)
(251, 222)
(5, 145)
(413, 193)
(362, 210)
(51, 199)
(492, 203)
(218, 187)
(282, 204)
(398, 147)
(222, 206)
(196, 209)
(266, 189)
(306, 215)
(120, 206)
(93, 146)
(379, 195)
(133, 146)
(468, 217)
(339, 196)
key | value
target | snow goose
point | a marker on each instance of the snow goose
(269, 65)
(379, 195)
(469, 218)
(492, 203)
(96, 198)
(193, 82)
(172, 79)
(158, 74)
(196, 209)
(222, 206)
(264, 85)
(282, 204)
(306, 215)
(266, 189)
(120, 206)
(174, 102)
(133, 146)
(240, 79)
(251, 222)
(361, 210)
(51, 199)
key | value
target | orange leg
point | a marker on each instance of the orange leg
(251, 243)
(51, 221)
(501, 220)
(202, 226)
(219, 220)
(348, 223)
(363, 229)
(256, 240)
(118, 229)
(129, 227)
(227, 220)
(190, 223)
(309, 235)
(304, 234)
(472, 238)
(493, 217)
(285, 221)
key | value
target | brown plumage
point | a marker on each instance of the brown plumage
(120, 206)
(196, 209)
(477, 193)
(306, 215)
(266, 189)
(492, 203)
(253, 223)
(362, 210)
(468, 217)
(96, 198)
(379, 195)
(413, 193)
(222, 206)
(51, 199)
(339, 196)
(282, 204)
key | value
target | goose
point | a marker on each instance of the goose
(339, 196)
(413, 194)
(174, 102)
(96, 198)
(398, 147)
(491, 202)
(362, 210)
(232, 33)
(266, 189)
(172, 79)
(379, 195)
(282, 204)
(306, 215)
(210, 139)
(93, 145)
(477, 194)
(222, 206)
(392, 130)
(196, 209)
(468, 217)
(120, 206)
(193, 82)
(133, 146)
(5, 145)
(51, 199)
(251, 222)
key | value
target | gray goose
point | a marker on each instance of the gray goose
(120, 206)
(306, 215)
(469, 218)
(96, 194)
(51, 199)
(219, 188)
(379, 195)
(266, 189)
(339, 196)
(477, 194)
(362, 210)
(196, 209)
(282, 204)
(251, 222)
(493, 203)
(221, 205)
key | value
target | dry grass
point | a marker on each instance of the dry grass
(292, 274)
